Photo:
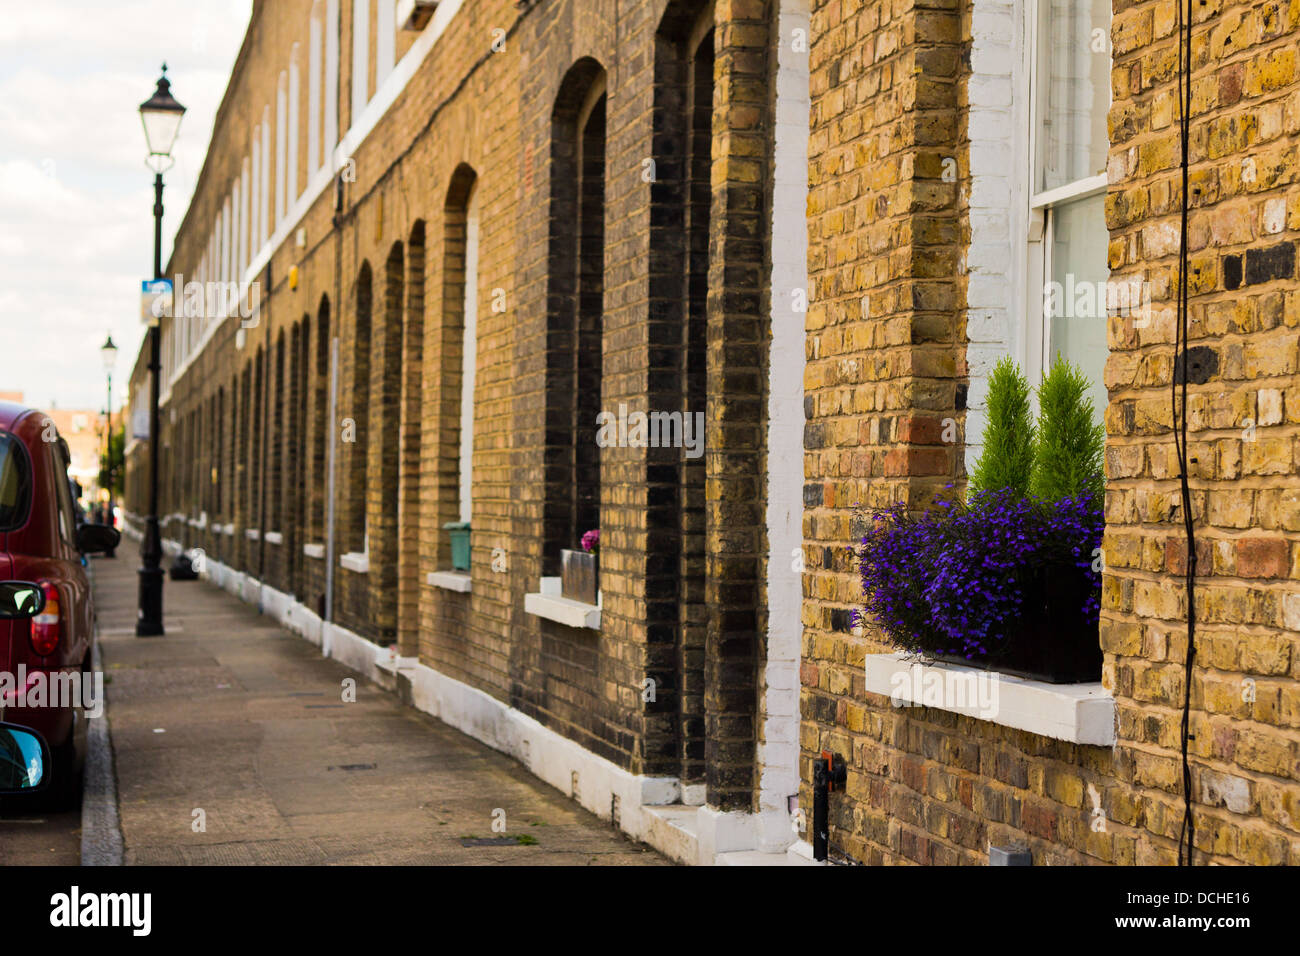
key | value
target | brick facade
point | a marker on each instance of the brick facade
(617, 176)
(888, 360)
(578, 130)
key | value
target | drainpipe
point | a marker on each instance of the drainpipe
(828, 771)
(329, 501)
(267, 365)
(332, 422)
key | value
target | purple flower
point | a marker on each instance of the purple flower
(952, 579)
(591, 540)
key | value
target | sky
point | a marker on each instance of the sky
(76, 199)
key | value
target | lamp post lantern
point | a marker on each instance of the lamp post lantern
(109, 353)
(161, 117)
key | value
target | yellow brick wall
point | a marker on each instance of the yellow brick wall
(482, 100)
(1245, 128)
(928, 786)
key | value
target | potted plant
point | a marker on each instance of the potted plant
(580, 570)
(1010, 579)
(458, 533)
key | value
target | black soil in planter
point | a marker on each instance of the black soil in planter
(1052, 640)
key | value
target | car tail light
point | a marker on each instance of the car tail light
(47, 627)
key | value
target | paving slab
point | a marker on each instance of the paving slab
(233, 746)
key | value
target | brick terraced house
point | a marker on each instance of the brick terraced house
(463, 233)
(487, 254)
(965, 161)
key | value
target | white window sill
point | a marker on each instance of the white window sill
(549, 603)
(1079, 713)
(274, 537)
(314, 550)
(392, 663)
(451, 581)
(252, 534)
(355, 561)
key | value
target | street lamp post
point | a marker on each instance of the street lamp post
(109, 352)
(161, 117)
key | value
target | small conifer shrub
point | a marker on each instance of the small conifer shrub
(1007, 459)
(1068, 444)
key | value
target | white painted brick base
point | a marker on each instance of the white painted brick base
(995, 260)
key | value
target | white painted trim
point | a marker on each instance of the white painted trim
(246, 266)
(331, 128)
(550, 604)
(360, 56)
(274, 537)
(355, 561)
(247, 187)
(1079, 189)
(314, 549)
(451, 581)
(254, 224)
(385, 40)
(673, 830)
(263, 215)
(1036, 348)
(547, 754)
(469, 361)
(994, 261)
(777, 749)
(1079, 713)
(282, 144)
(315, 41)
(391, 662)
(705, 836)
(295, 96)
(800, 853)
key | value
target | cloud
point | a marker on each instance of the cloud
(76, 228)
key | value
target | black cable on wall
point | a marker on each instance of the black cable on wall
(1178, 397)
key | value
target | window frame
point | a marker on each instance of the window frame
(1043, 203)
(60, 458)
(469, 354)
(16, 452)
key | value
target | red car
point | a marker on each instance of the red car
(41, 542)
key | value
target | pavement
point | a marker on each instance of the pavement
(34, 838)
(233, 743)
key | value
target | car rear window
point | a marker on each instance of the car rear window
(15, 483)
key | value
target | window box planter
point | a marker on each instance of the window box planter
(458, 532)
(1050, 640)
(1003, 584)
(579, 576)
